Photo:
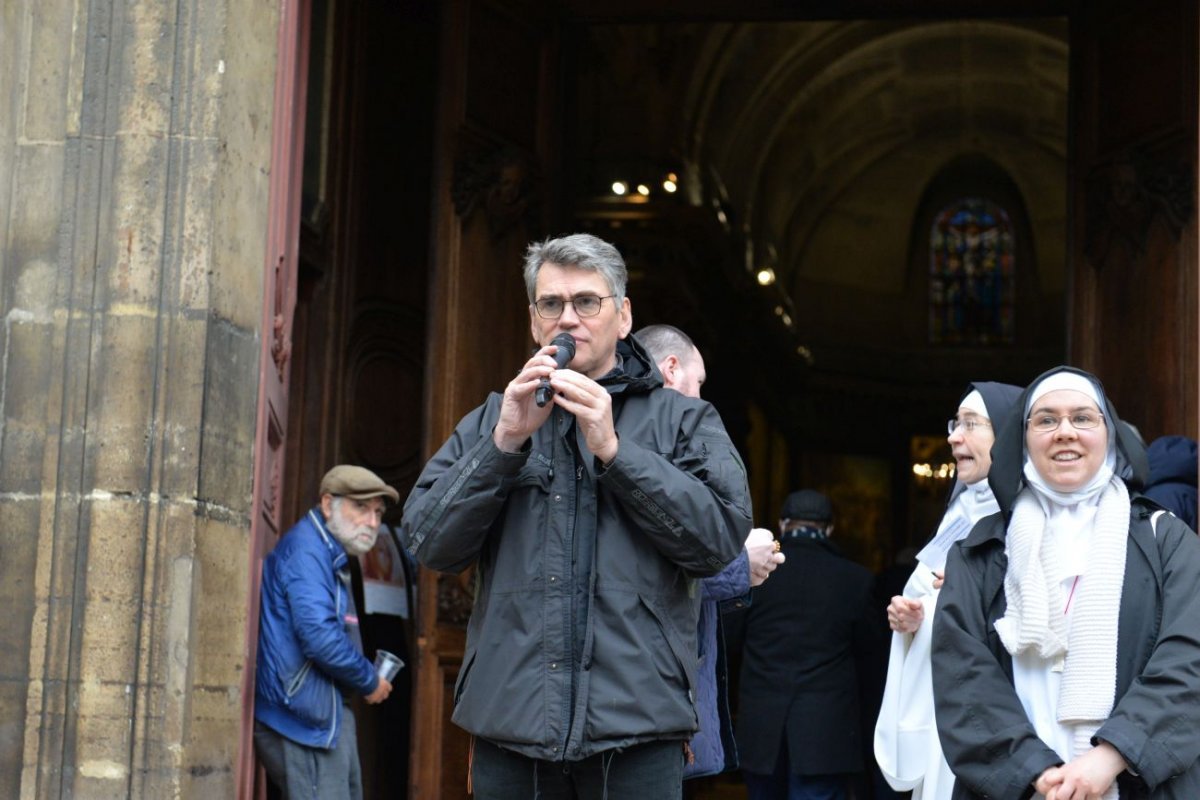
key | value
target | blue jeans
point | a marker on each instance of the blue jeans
(651, 771)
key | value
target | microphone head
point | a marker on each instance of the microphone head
(565, 343)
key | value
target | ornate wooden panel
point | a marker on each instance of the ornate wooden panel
(1134, 223)
(492, 145)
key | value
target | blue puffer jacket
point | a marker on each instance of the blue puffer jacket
(713, 747)
(305, 656)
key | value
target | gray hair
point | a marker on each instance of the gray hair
(582, 251)
(661, 341)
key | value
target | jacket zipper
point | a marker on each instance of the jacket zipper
(333, 689)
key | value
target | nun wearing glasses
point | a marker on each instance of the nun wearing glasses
(906, 739)
(1066, 649)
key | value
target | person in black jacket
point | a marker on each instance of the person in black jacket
(589, 520)
(809, 641)
(1066, 652)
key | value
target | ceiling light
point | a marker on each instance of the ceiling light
(620, 187)
(765, 276)
(643, 190)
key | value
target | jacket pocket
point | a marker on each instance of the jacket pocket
(687, 663)
(534, 474)
(312, 697)
(460, 684)
(639, 684)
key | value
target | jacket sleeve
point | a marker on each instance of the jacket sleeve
(458, 496)
(987, 738)
(730, 583)
(694, 505)
(1153, 725)
(311, 592)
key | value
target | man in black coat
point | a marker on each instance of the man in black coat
(809, 641)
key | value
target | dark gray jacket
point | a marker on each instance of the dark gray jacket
(988, 740)
(583, 633)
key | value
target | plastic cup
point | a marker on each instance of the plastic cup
(387, 664)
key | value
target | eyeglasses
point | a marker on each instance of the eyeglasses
(585, 305)
(968, 425)
(1080, 420)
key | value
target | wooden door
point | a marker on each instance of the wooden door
(494, 143)
(279, 301)
(1134, 233)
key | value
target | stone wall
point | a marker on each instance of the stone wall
(135, 148)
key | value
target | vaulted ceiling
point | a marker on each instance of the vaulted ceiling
(819, 138)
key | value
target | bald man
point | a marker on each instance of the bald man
(712, 749)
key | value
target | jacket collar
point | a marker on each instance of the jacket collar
(337, 553)
(982, 534)
(635, 370)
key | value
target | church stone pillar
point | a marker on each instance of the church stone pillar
(135, 143)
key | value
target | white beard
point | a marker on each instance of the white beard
(356, 540)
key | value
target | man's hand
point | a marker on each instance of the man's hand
(1086, 777)
(519, 413)
(763, 559)
(381, 692)
(905, 614)
(592, 406)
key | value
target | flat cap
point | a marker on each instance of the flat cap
(347, 480)
(807, 504)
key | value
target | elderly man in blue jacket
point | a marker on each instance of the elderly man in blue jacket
(310, 659)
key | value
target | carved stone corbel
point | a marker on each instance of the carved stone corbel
(1125, 197)
(501, 180)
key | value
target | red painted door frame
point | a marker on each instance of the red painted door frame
(279, 304)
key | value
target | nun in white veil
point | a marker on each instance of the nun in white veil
(1066, 652)
(906, 742)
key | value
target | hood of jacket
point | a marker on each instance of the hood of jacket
(637, 372)
(1008, 453)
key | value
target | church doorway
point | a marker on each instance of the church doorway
(820, 169)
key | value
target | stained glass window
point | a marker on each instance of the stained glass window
(971, 280)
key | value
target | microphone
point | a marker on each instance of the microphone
(565, 343)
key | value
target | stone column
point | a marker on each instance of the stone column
(134, 156)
